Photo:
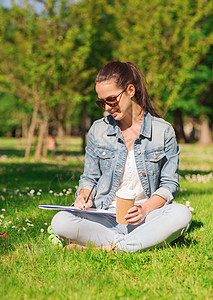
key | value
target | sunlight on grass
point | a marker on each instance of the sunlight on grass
(196, 157)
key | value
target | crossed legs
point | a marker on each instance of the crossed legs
(161, 225)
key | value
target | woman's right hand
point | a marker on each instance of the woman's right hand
(80, 201)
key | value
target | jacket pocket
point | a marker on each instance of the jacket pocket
(105, 157)
(154, 160)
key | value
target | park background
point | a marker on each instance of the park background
(50, 52)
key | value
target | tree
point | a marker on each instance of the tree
(168, 40)
(41, 61)
(96, 22)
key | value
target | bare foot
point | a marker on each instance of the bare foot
(74, 246)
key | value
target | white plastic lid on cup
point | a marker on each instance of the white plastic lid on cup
(126, 194)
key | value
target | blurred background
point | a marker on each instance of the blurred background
(50, 52)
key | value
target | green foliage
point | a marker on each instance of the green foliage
(42, 57)
(12, 112)
(170, 41)
(52, 58)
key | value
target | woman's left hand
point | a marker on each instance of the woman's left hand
(135, 215)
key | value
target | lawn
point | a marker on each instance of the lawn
(34, 268)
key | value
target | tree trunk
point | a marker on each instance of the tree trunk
(68, 128)
(205, 133)
(42, 131)
(31, 131)
(179, 129)
(53, 143)
(45, 143)
(18, 132)
(63, 139)
(18, 135)
(24, 128)
(53, 149)
(60, 133)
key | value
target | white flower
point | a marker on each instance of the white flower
(38, 193)
(64, 190)
(27, 188)
(191, 208)
(31, 225)
(27, 220)
(55, 194)
(3, 209)
(50, 191)
(187, 203)
(32, 192)
(42, 230)
(4, 190)
(17, 218)
(24, 229)
(60, 194)
(2, 216)
(13, 226)
(202, 229)
(45, 223)
(40, 190)
(9, 222)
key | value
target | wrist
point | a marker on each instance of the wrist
(145, 209)
(84, 192)
(153, 203)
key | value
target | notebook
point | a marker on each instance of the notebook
(72, 208)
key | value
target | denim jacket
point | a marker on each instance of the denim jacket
(156, 154)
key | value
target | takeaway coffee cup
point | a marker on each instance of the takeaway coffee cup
(125, 199)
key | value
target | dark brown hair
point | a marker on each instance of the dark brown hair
(125, 74)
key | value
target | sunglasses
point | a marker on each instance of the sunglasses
(111, 101)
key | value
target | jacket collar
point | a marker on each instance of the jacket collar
(146, 125)
(145, 131)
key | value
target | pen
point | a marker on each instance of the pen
(89, 195)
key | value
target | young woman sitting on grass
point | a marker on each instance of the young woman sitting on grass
(130, 149)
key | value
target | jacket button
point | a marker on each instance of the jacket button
(139, 152)
(104, 153)
(148, 194)
(143, 174)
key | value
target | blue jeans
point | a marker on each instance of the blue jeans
(161, 225)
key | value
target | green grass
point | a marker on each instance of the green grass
(33, 268)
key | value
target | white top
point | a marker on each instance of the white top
(130, 181)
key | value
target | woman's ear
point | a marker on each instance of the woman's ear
(131, 90)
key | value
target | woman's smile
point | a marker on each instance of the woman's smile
(114, 112)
